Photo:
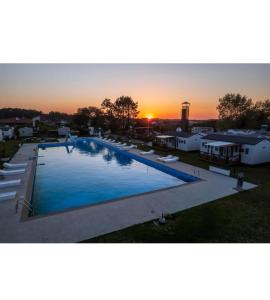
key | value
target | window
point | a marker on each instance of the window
(216, 148)
(246, 151)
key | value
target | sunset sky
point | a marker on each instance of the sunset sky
(159, 88)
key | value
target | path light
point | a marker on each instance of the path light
(240, 181)
(162, 219)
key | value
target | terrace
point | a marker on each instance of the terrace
(92, 221)
(221, 152)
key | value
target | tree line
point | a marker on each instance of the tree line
(9, 112)
(117, 115)
(237, 111)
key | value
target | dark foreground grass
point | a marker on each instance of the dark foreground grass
(243, 217)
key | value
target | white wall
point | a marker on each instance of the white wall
(191, 143)
(8, 133)
(196, 129)
(26, 131)
(63, 131)
(257, 154)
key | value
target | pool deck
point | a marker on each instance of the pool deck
(91, 221)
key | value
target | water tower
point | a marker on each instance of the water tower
(185, 115)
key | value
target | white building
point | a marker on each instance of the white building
(186, 141)
(91, 130)
(233, 149)
(26, 131)
(7, 132)
(180, 140)
(63, 131)
(35, 120)
(200, 129)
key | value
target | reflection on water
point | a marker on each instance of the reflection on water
(92, 149)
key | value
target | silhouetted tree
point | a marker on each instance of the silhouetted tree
(236, 111)
(8, 112)
(88, 116)
(125, 109)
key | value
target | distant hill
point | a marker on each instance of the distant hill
(8, 112)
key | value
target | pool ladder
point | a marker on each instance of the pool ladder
(24, 203)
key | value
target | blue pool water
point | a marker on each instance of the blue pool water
(91, 173)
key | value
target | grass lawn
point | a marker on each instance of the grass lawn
(243, 217)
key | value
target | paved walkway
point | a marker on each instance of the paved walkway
(84, 223)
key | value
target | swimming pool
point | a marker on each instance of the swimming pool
(93, 172)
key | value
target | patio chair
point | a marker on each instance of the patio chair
(147, 152)
(14, 166)
(9, 183)
(11, 172)
(8, 196)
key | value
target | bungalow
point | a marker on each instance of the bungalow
(7, 132)
(233, 149)
(63, 131)
(26, 131)
(180, 140)
(202, 129)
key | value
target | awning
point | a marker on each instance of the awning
(164, 136)
(221, 144)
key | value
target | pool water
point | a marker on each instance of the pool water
(91, 173)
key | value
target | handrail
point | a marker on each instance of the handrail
(23, 202)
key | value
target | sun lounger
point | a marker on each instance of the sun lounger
(129, 147)
(11, 172)
(14, 166)
(161, 158)
(7, 196)
(121, 145)
(9, 183)
(172, 159)
(147, 152)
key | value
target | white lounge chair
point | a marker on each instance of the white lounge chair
(121, 145)
(161, 158)
(7, 196)
(129, 147)
(11, 172)
(9, 183)
(147, 152)
(14, 166)
(172, 159)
